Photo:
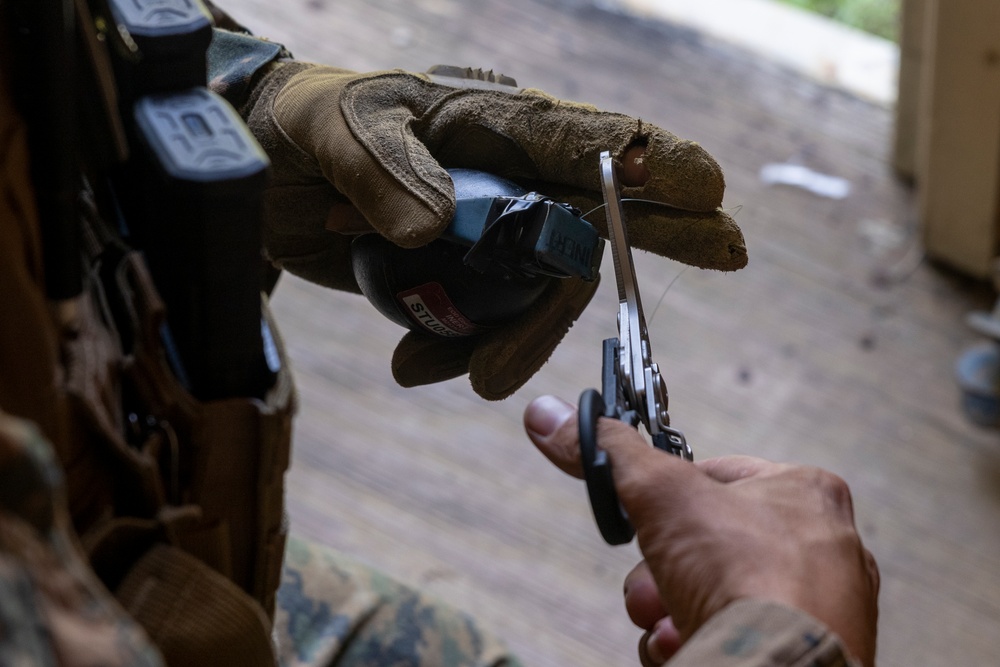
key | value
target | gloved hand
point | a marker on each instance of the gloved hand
(352, 151)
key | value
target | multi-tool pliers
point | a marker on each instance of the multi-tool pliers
(632, 388)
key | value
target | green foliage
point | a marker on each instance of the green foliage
(879, 17)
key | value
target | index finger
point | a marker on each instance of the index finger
(537, 136)
(646, 479)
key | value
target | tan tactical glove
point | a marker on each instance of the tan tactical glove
(353, 150)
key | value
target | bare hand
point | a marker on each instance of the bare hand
(725, 529)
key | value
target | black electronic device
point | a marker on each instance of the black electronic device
(499, 254)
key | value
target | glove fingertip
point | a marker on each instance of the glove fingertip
(420, 360)
(705, 240)
(507, 358)
(408, 223)
(684, 174)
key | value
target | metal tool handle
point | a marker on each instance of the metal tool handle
(611, 519)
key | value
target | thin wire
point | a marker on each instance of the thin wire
(681, 273)
(628, 200)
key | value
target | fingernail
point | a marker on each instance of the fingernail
(546, 414)
(653, 648)
(635, 173)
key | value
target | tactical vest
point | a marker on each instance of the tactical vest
(173, 461)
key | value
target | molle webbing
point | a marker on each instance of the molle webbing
(201, 479)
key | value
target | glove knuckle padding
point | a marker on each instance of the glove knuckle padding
(346, 120)
(383, 113)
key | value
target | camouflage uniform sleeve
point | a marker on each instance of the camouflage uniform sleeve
(53, 611)
(334, 612)
(759, 633)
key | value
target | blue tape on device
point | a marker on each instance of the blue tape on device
(520, 233)
(503, 249)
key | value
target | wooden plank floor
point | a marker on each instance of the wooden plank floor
(834, 347)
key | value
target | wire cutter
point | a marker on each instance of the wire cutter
(632, 387)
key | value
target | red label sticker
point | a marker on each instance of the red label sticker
(429, 306)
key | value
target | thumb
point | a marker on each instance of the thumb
(359, 131)
(551, 424)
(420, 359)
